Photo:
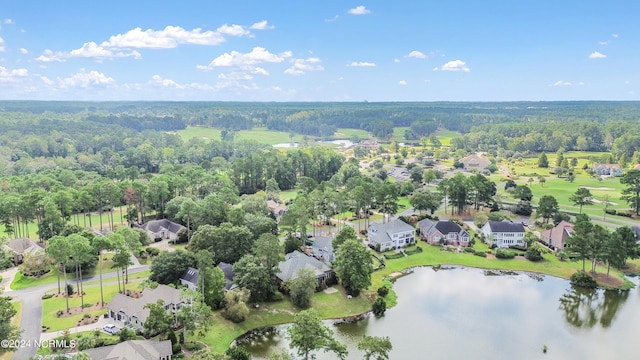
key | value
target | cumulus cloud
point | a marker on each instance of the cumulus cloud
(24, 51)
(455, 65)
(300, 66)
(597, 55)
(247, 60)
(614, 36)
(402, 82)
(7, 75)
(359, 10)
(1, 44)
(86, 79)
(233, 30)
(396, 60)
(262, 25)
(159, 81)
(8, 21)
(561, 83)
(416, 54)
(332, 19)
(362, 64)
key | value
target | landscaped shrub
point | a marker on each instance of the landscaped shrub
(393, 256)
(518, 247)
(533, 254)
(610, 211)
(379, 307)
(480, 253)
(417, 250)
(383, 291)
(584, 280)
(469, 250)
(47, 296)
(504, 254)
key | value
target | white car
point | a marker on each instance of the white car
(110, 329)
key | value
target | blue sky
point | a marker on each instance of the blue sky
(310, 50)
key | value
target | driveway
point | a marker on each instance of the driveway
(31, 298)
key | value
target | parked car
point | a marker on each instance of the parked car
(110, 329)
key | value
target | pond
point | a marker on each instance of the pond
(463, 313)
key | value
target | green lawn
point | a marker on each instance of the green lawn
(350, 133)
(92, 296)
(21, 282)
(261, 135)
(398, 134)
(106, 338)
(445, 136)
(335, 305)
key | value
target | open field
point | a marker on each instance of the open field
(261, 135)
(350, 133)
(445, 136)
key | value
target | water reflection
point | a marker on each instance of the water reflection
(465, 314)
(585, 308)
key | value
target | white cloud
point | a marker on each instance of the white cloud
(168, 38)
(157, 80)
(1, 44)
(332, 19)
(8, 21)
(359, 10)
(86, 80)
(246, 61)
(436, 69)
(300, 66)
(260, 71)
(561, 83)
(417, 54)
(93, 50)
(581, 83)
(233, 30)
(341, 78)
(50, 56)
(262, 25)
(46, 80)
(402, 82)
(597, 55)
(362, 64)
(24, 51)
(12, 75)
(455, 65)
(614, 35)
(603, 42)
(396, 60)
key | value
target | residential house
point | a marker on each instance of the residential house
(503, 233)
(20, 247)
(322, 248)
(297, 261)
(227, 270)
(557, 235)
(133, 350)
(607, 169)
(131, 312)
(276, 209)
(443, 232)
(190, 279)
(474, 162)
(392, 235)
(369, 144)
(162, 229)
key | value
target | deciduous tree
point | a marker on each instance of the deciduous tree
(375, 348)
(308, 334)
(353, 266)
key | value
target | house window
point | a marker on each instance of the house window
(395, 236)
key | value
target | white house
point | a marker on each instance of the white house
(503, 233)
(392, 235)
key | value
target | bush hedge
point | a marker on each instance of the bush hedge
(480, 253)
(584, 280)
(504, 254)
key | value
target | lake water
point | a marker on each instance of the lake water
(464, 313)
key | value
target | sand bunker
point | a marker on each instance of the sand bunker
(597, 188)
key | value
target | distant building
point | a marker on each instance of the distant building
(162, 229)
(557, 235)
(297, 261)
(369, 144)
(21, 247)
(443, 232)
(607, 169)
(504, 233)
(392, 235)
(276, 209)
(474, 162)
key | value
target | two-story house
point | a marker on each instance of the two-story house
(392, 235)
(503, 233)
(443, 232)
(557, 235)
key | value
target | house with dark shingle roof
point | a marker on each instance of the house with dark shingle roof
(162, 229)
(227, 270)
(190, 278)
(322, 248)
(131, 311)
(392, 235)
(443, 232)
(21, 247)
(133, 350)
(557, 235)
(297, 261)
(503, 233)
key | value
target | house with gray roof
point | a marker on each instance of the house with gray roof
(162, 229)
(190, 279)
(474, 162)
(131, 312)
(21, 247)
(133, 350)
(503, 233)
(297, 261)
(392, 235)
(443, 232)
(557, 236)
(227, 270)
(322, 248)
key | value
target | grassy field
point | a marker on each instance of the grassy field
(398, 134)
(445, 136)
(22, 282)
(335, 305)
(261, 135)
(92, 296)
(350, 133)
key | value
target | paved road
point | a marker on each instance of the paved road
(31, 299)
